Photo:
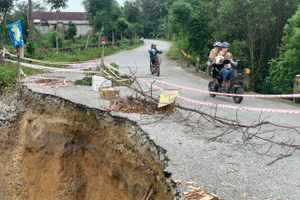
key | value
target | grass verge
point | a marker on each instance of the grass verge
(85, 55)
(174, 52)
(9, 73)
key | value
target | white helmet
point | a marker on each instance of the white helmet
(217, 44)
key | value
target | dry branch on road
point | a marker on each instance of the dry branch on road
(261, 135)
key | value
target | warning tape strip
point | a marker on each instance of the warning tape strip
(296, 112)
(53, 63)
(76, 70)
(181, 87)
(202, 103)
(225, 94)
(216, 93)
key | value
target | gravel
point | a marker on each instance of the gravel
(8, 106)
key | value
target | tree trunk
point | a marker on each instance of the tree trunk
(88, 38)
(280, 24)
(121, 37)
(251, 48)
(112, 36)
(4, 18)
(29, 21)
(99, 38)
(2, 24)
(57, 12)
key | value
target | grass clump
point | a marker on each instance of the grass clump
(84, 55)
(9, 73)
(114, 74)
(174, 52)
(86, 81)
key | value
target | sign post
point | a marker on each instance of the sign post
(102, 56)
(15, 33)
(296, 88)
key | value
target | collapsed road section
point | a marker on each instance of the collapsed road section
(56, 149)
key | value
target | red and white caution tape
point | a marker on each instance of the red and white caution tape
(52, 63)
(151, 82)
(296, 112)
(148, 82)
(225, 94)
(76, 70)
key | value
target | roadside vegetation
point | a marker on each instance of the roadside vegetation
(83, 55)
(9, 73)
(173, 52)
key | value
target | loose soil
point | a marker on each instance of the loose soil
(56, 149)
(137, 105)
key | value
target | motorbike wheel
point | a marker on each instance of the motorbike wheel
(211, 89)
(158, 71)
(151, 71)
(238, 91)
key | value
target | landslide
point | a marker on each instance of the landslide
(56, 149)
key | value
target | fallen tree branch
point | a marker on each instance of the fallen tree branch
(266, 136)
(281, 157)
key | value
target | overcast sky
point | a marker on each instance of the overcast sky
(76, 5)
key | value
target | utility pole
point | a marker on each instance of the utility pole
(29, 20)
(102, 56)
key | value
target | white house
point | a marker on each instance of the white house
(46, 21)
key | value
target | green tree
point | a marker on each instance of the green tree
(283, 69)
(57, 5)
(5, 6)
(111, 19)
(71, 31)
(122, 25)
(102, 15)
(131, 12)
(92, 7)
(190, 22)
(180, 13)
(249, 21)
(20, 14)
(152, 12)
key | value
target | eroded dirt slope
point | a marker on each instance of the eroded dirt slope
(60, 150)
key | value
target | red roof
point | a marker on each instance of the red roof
(67, 16)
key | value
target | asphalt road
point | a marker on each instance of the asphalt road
(226, 166)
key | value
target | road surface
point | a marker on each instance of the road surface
(225, 166)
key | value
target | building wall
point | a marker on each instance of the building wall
(83, 27)
(43, 28)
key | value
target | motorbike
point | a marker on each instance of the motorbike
(155, 68)
(237, 77)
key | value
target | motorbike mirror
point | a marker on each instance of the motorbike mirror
(226, 61)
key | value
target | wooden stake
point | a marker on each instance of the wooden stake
(19, 64)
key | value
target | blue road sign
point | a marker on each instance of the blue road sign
(15, 33)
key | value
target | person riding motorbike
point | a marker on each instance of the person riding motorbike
(214, 52)
(212, 59)
(226, 68)
(153, 54)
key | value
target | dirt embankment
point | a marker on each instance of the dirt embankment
(56, 149)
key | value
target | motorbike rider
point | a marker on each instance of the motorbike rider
(226, 70)
(153, 53)
(211, 61)
(214, 52)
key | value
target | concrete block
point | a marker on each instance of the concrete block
(100, 82)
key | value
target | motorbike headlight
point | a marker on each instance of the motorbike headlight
(247, 71)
